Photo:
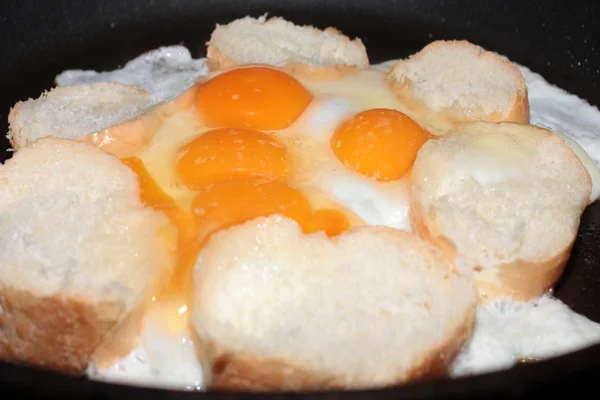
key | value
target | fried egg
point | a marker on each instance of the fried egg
(256, 141)
(331, 155)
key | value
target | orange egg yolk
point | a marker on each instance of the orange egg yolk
(221, 205)
(229, 153)
(187, 244)
(153, 196)
(254, 97)
(232, 202)
(379, 143)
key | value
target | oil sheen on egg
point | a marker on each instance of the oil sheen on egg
(317, 180)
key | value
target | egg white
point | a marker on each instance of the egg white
(505, 331)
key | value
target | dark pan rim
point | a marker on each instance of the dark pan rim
(509, 382)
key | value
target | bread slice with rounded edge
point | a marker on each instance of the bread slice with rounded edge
(303, 51)
(79, 255)
(119, 118)
(275, 309)
(451, 82)
(505, 198)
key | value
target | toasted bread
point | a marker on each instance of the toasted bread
(79, 255)
(300, 50)
(275, 309)
(505, 198)
(456, 81)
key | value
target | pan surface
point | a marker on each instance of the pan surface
(558, 39)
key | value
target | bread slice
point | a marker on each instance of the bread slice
(505, 198)
(299, 50)
(86, 112)
(456, 81)
(275, 309)
(79, 255)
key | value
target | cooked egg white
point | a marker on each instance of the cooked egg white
(166, 357)
(507, 332)
(163, 358)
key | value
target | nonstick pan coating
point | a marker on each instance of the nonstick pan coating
(558, 39)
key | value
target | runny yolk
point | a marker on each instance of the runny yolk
(153, 196)
(232, 202)
(176, 295)
(379, 143)
(254, 97)
(229, 153)
(333, 222)
(219, 206)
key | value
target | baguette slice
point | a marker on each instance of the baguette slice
(456, 81)
(118, 118)
(299, 50)
(79, 255)
(504, 197)
(275, 309)
(75, 111)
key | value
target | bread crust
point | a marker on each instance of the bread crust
(516, 282)
(53, 332)
(446, 121)
(520, 280)
(65, 333)
(62, 329)
(227, 370)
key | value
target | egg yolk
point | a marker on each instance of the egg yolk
(379, 143)
(333, 222)
(254, 97)
(229, 153)
(187, 244)
(153, 196)
(233, 202)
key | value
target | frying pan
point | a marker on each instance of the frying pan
(558, 39)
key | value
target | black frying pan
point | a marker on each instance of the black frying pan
(558, 39)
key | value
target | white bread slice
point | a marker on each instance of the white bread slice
(275, 309)
(504, 197)
(121, 119)
(300, 50)
(456, 81)
(74, 111)
(79, 255)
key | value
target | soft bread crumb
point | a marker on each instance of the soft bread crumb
(320, 313)
(463, 81)
(75, 111)
(278, 42)
(506, 198)
(79, 252)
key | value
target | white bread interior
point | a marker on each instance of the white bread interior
(79, 254)
(300, 50)
(81, 111)
(505, 198)
(457, 81)
(275, 309)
